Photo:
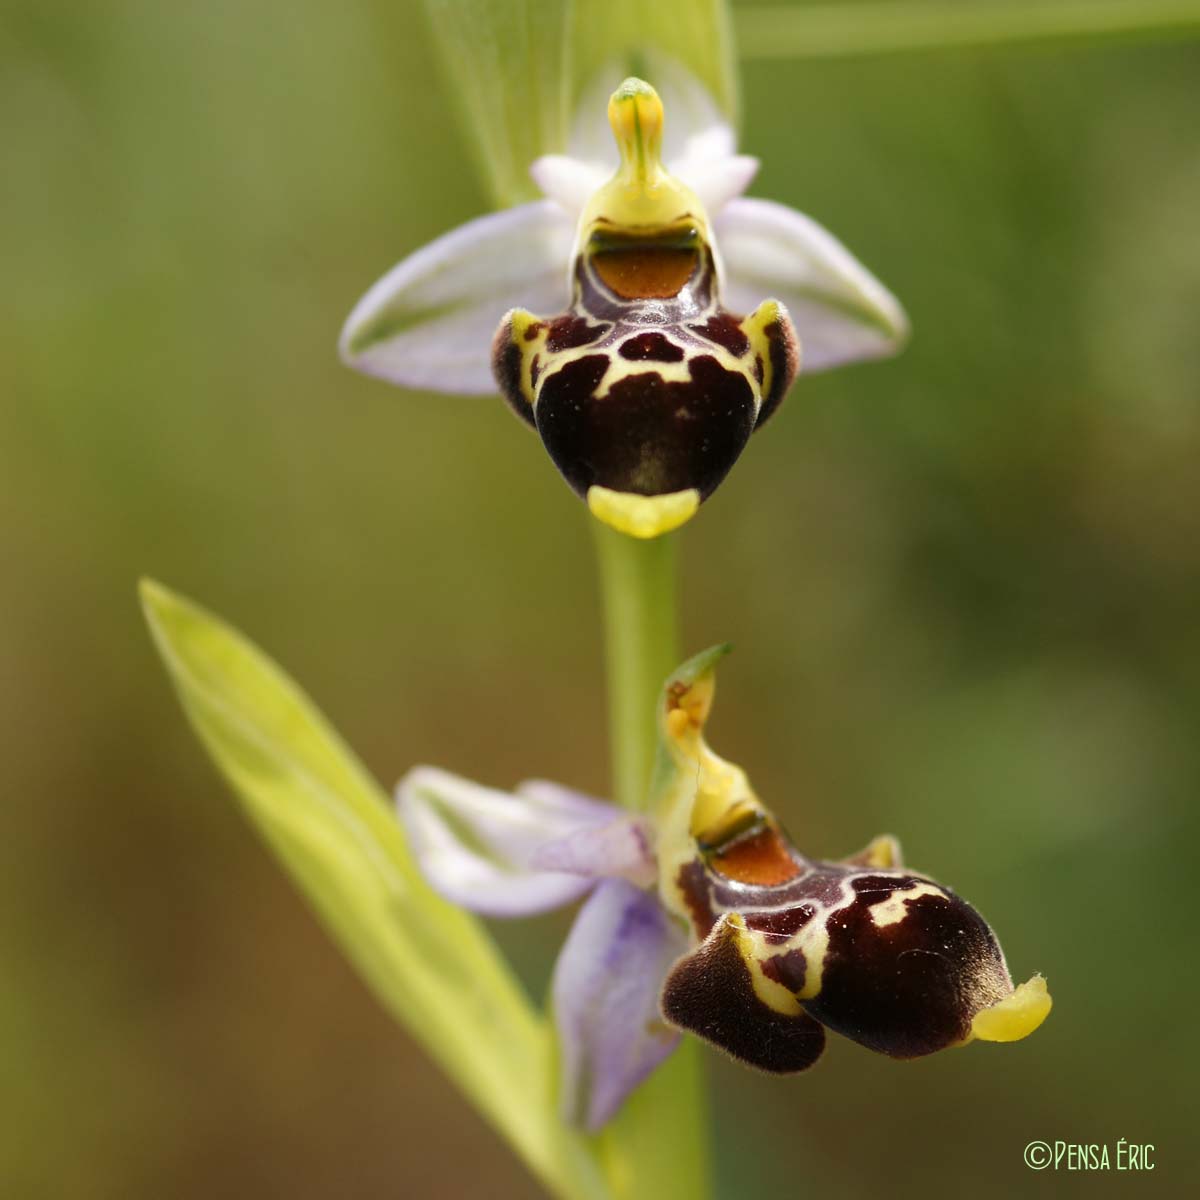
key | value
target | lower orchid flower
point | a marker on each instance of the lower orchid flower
(626, 316)
(703, 917)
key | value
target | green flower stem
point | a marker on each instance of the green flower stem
(658, 1143)
(641, 637)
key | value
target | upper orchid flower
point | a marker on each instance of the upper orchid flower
(626, 315)
(744, 942)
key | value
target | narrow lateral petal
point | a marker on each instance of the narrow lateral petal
(841, 312)
(606, 987)
(570, 182)
(429, 322)
(619, 849)
(698, 127)
(621, 846)
(716, 181)
(476, 845)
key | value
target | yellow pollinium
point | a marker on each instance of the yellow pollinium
(1016, 1016)
(642, 194)
(642, 516)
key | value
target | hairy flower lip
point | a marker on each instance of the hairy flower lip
(884, 955)
(780, 948)
(763, 293)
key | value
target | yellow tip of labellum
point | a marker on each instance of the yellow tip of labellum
(1016, 1016)
(642, 516)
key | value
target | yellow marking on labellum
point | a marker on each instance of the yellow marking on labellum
(755, 326)
(1016, 1016)
(642, 516)
(813, 941)
(668, 372)
(753, 949)
(895, 908)
(529, 336)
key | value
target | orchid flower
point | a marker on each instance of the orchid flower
(703, 917)
(624, 316)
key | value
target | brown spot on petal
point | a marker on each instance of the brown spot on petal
(725, 330)
(571, 386)
(787, 969)
(652, 346)
(569, 332)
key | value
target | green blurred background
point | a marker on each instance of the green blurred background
(963, 587)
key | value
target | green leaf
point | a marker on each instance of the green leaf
(814, 31)
(432, 965)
